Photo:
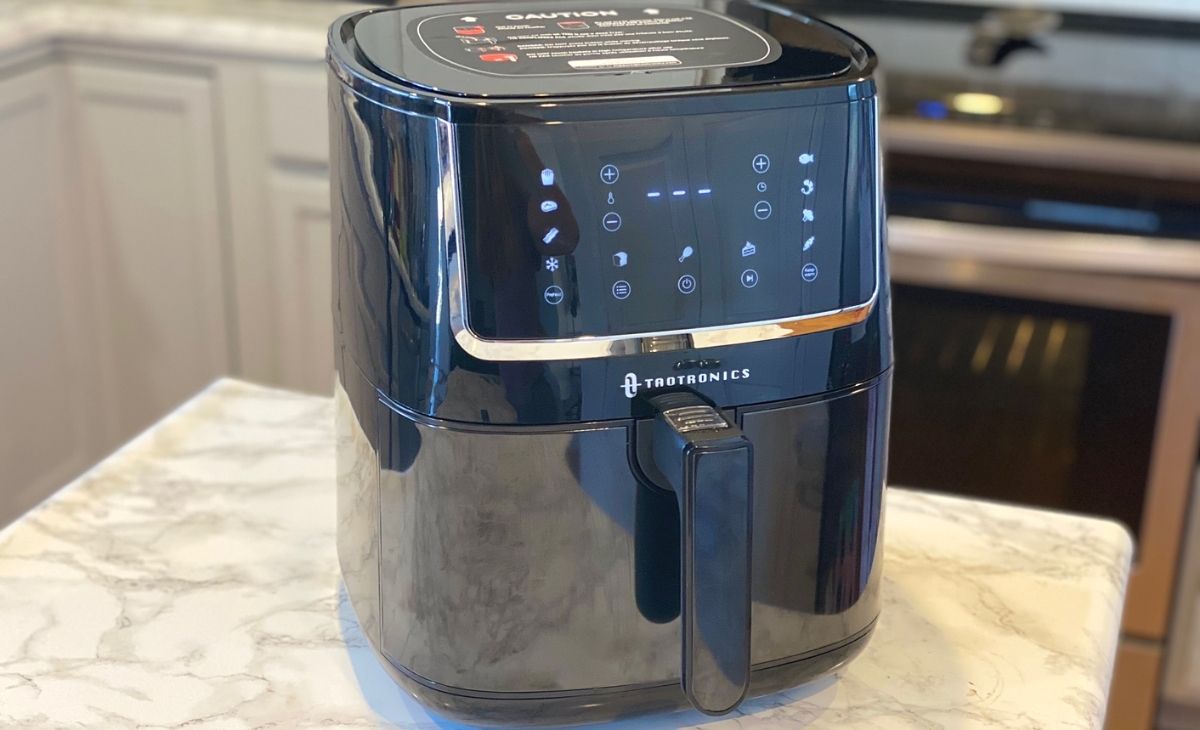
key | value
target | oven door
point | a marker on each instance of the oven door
(1054, 369)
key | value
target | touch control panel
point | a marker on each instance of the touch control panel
(639, 226)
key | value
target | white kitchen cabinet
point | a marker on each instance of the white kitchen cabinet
(300, 245)
(45, 438)
(149, 199)
(164, 221)
(278, 132)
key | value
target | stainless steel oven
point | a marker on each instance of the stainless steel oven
(1044, 193)
(1044, 380)
(1061, 369)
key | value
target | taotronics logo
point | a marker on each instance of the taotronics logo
(565, 14)
(631, 385)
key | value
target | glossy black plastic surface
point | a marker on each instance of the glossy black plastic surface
(664, 224)
(503, 544)
(392, 289)
(733, 44)
(477, 708)
(709, 466)
(515, 570)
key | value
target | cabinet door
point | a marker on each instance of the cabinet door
(147, 155)
(300, 243)
(43, 376)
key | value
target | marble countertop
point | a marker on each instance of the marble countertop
(282, 29)
(191, 579)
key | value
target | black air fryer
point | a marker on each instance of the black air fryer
(613, 346)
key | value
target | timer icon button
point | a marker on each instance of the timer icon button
(609, 174)
(762, 210)
(749, 278)
(611, 222)
(761, 163)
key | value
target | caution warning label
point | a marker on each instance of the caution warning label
(603, 40)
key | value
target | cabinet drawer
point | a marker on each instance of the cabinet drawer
(296, 121)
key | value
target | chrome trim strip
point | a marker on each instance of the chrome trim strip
(588, 347)
(1068, 151)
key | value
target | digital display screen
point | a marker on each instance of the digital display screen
(640, 226)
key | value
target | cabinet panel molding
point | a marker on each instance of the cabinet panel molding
(300, 242)
(46, 393)
(150, 204)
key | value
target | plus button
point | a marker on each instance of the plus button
(761, 163)
(609, 174)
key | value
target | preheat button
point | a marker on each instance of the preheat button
(553, 294)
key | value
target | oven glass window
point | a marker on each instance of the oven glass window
(1037, 403)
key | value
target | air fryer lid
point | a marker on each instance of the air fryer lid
(524, 49)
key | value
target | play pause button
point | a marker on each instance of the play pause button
(749, 278)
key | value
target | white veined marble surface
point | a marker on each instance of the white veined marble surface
(191, 580)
